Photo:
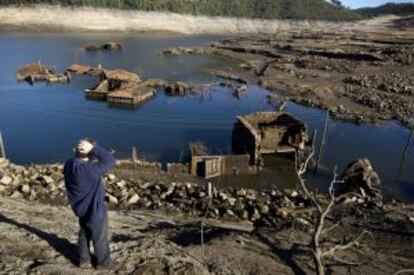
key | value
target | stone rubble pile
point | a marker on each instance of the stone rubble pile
(46, 183)
(31, 183)
(394, 82)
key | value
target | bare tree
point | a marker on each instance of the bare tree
(318, 254)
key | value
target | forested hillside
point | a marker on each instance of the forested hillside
(268, 9)
(390, 8)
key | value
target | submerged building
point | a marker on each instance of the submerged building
(262, 133)
(254, 136)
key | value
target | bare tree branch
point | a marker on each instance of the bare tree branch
(317, 252)
(356, 242)
(301, 172)
(331, 228)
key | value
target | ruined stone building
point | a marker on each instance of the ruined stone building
(254, 135)
(208, 166)
(264, 133)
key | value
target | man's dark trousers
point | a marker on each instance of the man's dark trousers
(98, 235)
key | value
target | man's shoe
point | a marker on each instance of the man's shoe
(109, 267)
(84, 264)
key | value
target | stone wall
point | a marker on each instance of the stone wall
(244, 141)
(238, 164)
(178, 168)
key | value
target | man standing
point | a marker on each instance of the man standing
(86, 194)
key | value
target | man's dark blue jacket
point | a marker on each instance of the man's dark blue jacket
(85, 189)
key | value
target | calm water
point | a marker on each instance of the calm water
(41, 123)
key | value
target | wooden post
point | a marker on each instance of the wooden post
(3, 152)
(315, 131)
(404, 156)
(180, 159)
(134, 154)
(408, 144)
(323, 141)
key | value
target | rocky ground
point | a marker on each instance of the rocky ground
(156, 227)
(360, 75)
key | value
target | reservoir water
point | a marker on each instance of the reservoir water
(41, 123)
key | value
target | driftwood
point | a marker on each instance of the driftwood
(234, 226)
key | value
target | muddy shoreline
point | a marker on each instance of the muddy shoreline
(361, 76)
(243, 229)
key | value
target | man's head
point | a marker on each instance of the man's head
(84, 148)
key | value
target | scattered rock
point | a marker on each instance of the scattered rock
(112, 199)
(47, 180)
(26, 189)
(16, 195)
(111, 177)
(134, 199)
(6, 180)
(4, 162)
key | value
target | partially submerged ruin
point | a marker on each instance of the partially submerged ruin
(119, 88)
(199, 162)
(122, 88)
(121, 75)
(211, 166)
(85, 70)
(254, 136)
(130, 95)
(36, 72)
(109, 46)
(265, 133)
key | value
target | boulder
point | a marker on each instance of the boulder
(134, 199)
(111, 199)
(360, 177)
(47, 180)
(111, 177)
(51, 187)
(121, 184)
(16, 195)
(4, 163)
(18, 180)
(6, 180)
(263, 209)
(25, 189)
